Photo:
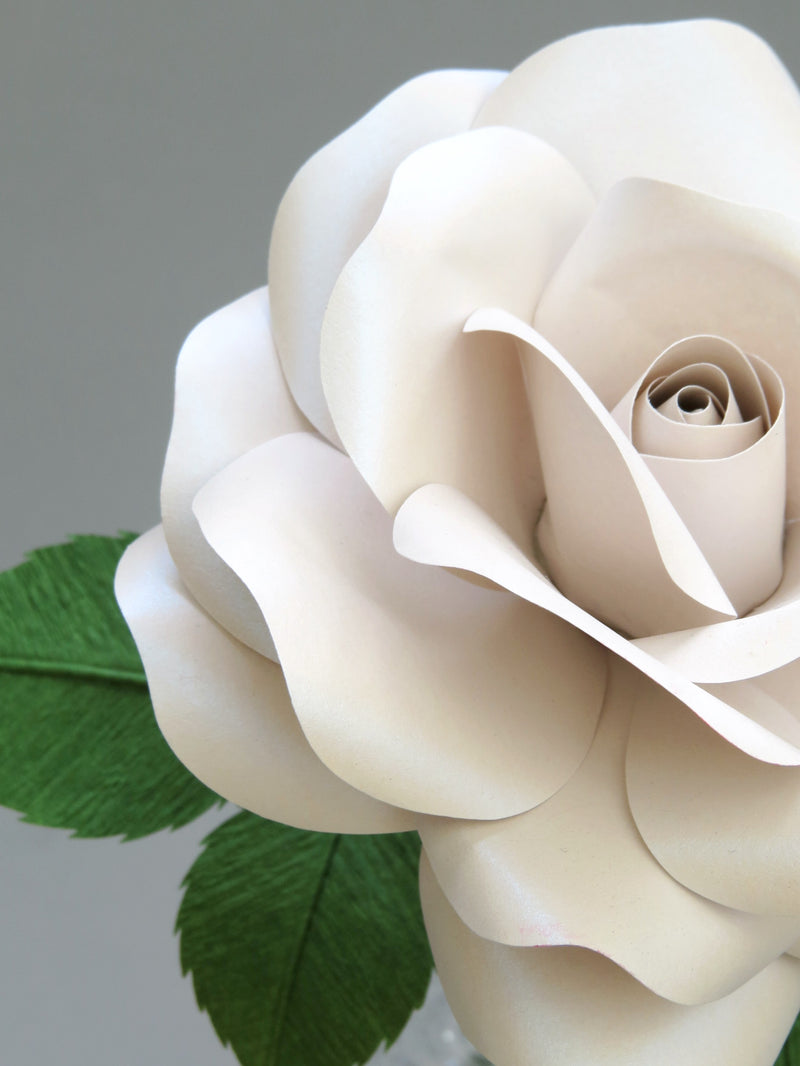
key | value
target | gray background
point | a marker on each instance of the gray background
(143, 150)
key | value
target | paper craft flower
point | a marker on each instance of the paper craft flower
(483, 522)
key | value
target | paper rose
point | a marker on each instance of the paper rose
(484, 522)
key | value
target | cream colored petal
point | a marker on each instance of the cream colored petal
(229, 396)
(701, 103)
(771, 699)
(564, 1006)
(765, 640)
(575, 871)
(482, 217)
(439, 526)
(225, 711)
(657, 263)
(722, 823)
(650, 414)
(333, 202)
(702, 441)
(670, 442)
(734, 506)
(419, 688)
(612, 539)
(726, 478)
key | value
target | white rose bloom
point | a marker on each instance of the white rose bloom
(484, 522)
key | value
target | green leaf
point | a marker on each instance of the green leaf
(79, 745)
(306, 949)
(790, 1056)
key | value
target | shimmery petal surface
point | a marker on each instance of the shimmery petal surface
(611, 536)
(657, 263)
(666, 101)
(575, 871)
(333, 202)
(720, 822)
(559, 1006)
(415, 399)
(440, 526)
(225, 710)
(229, 396)
(414, 685)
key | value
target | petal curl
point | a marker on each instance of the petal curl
(726, 478)
(439, 526)
(417, 687)
(667, 101)
(735, 507)
(764, 640)
(656, 263)
(225, 711)
(560, 1006)
(333, 202)
(413, 398)
(634, 561)
(770, 698)
(575, 871)
(725, 825)
(229, 396)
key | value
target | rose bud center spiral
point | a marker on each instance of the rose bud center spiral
(707, 421)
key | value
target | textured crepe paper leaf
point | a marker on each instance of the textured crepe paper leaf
(79, 746)
(306, 949)
(790, 1056)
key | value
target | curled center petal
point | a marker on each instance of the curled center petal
(708, 421)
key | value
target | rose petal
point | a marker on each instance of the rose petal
(734, 508)
(333, 202)
(229, 396)
(724, 372)
(763, 641)
(720, 822)
(734, 505)
(633, 561)
(727, 270)
(413, 398)
(415, 686)
(702, 103)
(769, 698)
(575, 871)
(562, 1005)
(657, 263)
(440, 526)
(225, 711)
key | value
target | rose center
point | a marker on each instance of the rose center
(703, 416)
(702, 405)
(702, 398)
(708, 422)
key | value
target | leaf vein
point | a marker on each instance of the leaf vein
(298, 957)
(56, 668)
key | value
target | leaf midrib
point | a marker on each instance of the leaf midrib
(65, 668)
(274, 1059)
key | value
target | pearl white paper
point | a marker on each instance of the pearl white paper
(527, 562)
